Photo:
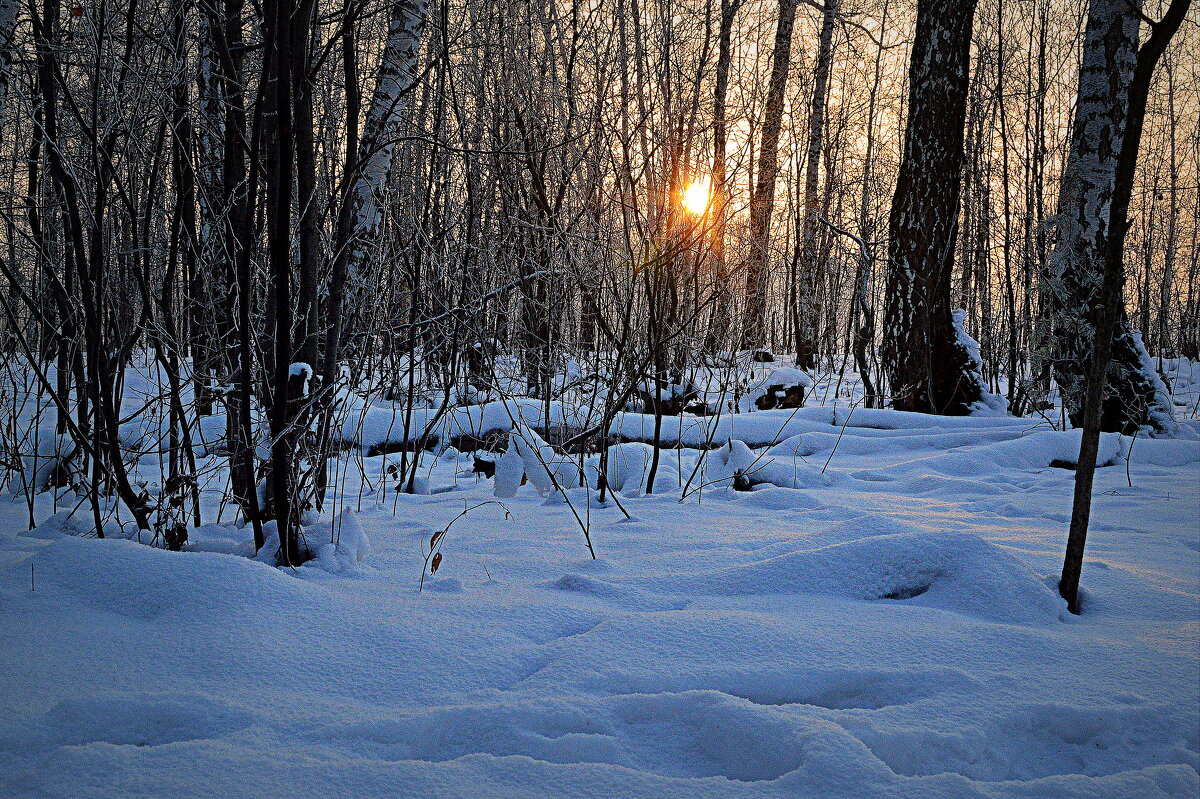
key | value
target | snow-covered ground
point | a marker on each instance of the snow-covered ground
(888, 629)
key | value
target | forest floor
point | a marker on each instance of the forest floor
(891, 628)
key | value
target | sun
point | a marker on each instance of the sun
(696, 197)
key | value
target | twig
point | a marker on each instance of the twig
(433, 558)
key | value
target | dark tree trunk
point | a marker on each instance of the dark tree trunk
(723, 296)
(8, 29)
(235, 235)
(762, 198)
(284, 74)
(308, 345)
(345, 222)
(808, 302)
(928, 367)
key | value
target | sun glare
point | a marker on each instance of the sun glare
(695, 197)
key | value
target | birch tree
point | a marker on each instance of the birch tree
(1106, 315)
(398, 74)
(1135, 395)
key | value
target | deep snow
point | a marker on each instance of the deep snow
(888, 628)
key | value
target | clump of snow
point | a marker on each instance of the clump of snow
(628, 469)
(64, 523)
(510, 473)
(779, 377)
(305, 372)
(546, 469)
(51, 457)
(988, 404)
(347, 547)
(1162, 420)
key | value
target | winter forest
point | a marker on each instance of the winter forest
(605, 398)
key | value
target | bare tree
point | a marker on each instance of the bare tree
(807, 313)
(762, 198)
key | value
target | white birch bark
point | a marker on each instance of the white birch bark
(398, 74)
(1076, 266)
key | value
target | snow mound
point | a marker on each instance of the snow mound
(1037, 450)
(736, 464)
(688, 735)
(1166, 453)
(1038, 740)
(580, 584)
(146, 583)
(150, 719)
(959, 572)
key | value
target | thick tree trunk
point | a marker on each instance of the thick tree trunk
(308, 333)
(762, 198)
(210, 316)
(928, 366)
(231, 238)
(1135, 396)
(185, 234)
(285, 71)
